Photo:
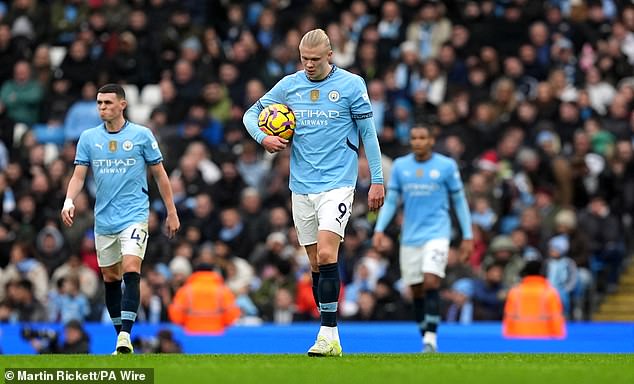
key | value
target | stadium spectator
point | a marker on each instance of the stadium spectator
(607, 246)
(533, 308)
(67, 302)
(75, 339)
(74, 267)
(22, 95)
(151, 308)
(78, 67)
(27, 307)
(204, 304)
(23, 266)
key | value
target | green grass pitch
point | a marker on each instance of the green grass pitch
(358, 368)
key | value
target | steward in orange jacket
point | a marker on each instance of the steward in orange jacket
(533, 308)
(204, 304)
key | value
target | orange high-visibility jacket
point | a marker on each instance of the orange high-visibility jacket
(533, 310)
(204, 304)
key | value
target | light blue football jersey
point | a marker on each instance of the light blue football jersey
(325, 146)
(425, 188)
(119, 166)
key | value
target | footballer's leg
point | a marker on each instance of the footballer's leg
(418, 296)
(133, 244)
(109, 260)
(130, 301)
(434, 263)
(311, 251)
(411, 263)
(432, 312)
(305, 219)
(328, 343)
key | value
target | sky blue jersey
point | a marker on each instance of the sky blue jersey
(333, 115)
(425, 188)
(119, 165)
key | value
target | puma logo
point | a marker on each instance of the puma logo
(100, 146)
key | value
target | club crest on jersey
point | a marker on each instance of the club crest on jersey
(112, 146)
(314, 95)
(127, 145)
(333, 96)
(434, 173)
(419, 172)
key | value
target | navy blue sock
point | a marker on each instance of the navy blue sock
(113, 302)
(328, 294)
(131, 299)
(432, 310)
(316, 288)
(419, 314)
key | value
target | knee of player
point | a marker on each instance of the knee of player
(431, 282)
(326, 256)
(110, 275)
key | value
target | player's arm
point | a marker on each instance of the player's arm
(75, 185)
(165, 189)
(461, 207)
(361, 111)
(250, 119)
(386, 214)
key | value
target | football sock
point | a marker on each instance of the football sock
(430, 338)
(432, 310)
(419, 314)
(113, 302)
(330, 333)
(131, 299)
(316, 288)
(328, 292)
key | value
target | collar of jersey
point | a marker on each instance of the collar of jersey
(332, 71)
(114, 133)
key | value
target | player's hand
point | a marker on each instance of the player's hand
(274, 144)
(466, 249)
(376, 197)
(68, 212)
(378, 240)
(172, 224)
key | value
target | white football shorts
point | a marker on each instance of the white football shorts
(130, 241)
(325, 211)
(430, 257)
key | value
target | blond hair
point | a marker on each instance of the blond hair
(315, 38)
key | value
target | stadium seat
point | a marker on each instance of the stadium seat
(131, 94)
(140, 113)
(46, 134)
(151, 95)
(57, 55)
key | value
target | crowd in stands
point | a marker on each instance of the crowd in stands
(532, 98)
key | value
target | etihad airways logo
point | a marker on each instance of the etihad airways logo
(315, 113)
(113, 165)
(315, 116)
(113, 162)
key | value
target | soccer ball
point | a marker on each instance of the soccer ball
(277, 120)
